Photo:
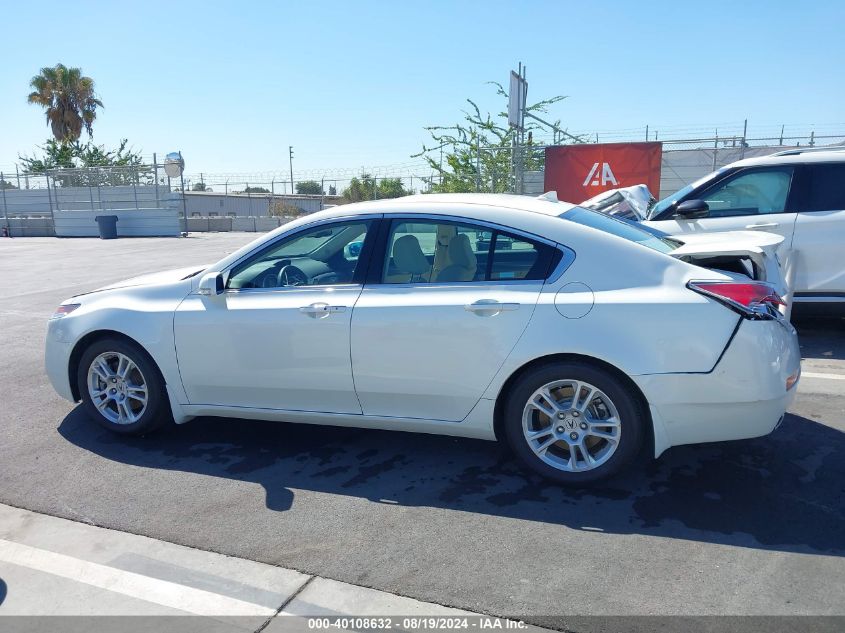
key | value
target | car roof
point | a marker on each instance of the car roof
(798, 156)
(417, 203)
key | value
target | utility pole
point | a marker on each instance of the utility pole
(290, 152)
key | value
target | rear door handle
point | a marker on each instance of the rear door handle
(764, 225)
(486, 306)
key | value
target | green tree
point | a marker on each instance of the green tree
(66, 163)
(199, 186)
(256, 190)
(367, 189)
(332, 190)
(5, 184)
(68, 99)
(310, 187)
(458, 165)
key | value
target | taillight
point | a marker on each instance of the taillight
(64, 310)
(753, 299)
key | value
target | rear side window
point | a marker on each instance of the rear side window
(825, 188)
(432, 251)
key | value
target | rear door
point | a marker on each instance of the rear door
(820, 233)
(444, 305)
(756, 199)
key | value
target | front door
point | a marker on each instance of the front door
(751, 200)
(448, 303)
(278, 336)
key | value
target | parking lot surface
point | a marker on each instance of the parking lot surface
(751, 527)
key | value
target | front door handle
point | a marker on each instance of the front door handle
(764, 225)
(490, 307)
(320, 310)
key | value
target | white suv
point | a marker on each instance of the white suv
(799, 194)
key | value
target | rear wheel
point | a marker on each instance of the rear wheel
(121, 387)
(574, 422)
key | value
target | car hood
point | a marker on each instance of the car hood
(631, 203)
(150, 279)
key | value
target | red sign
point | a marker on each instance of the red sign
(578, 172)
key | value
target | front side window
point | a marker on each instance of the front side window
(753, 193)
(446, 252)
(323, 255)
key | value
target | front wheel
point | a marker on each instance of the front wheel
(121, 387)
(574, 423)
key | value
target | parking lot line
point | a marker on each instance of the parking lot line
(810, 374)
(162, 592)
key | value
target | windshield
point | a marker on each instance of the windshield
(631, 231)
(660, 207)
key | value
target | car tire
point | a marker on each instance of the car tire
(122, 388)
(544, 424)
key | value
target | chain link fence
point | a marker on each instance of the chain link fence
(272, 194)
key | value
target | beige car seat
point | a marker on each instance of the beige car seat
(445, 233)
(464, 263)
(409, 260)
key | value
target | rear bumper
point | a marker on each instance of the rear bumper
(744, 396)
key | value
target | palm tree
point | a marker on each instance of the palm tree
(69, 101)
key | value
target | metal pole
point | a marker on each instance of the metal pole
(50, 201)
(744, 134)
(646, 133)
(812, 138)
(184, 203)
(477, 163)
(135, 189)
(155, 179)
(715, 149)
(5, 205)
(290, 156)
(18, 175)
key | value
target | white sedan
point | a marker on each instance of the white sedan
(576, 338)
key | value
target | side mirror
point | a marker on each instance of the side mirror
(211, 284)
(692, 209)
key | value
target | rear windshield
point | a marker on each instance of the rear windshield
(631, 231)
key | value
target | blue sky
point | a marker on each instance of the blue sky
(349, 85)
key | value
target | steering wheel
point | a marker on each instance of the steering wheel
(291, 276)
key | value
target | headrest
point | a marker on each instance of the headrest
(408, 256)
(460, 252)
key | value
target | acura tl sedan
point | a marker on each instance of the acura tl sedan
(578, 339)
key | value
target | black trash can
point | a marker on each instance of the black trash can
(108, 226)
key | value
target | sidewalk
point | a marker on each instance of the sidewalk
(55, 567)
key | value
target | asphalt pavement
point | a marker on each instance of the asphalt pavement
(743, 528)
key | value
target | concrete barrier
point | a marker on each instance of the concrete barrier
(31, 227)
(135, 223)
(130, 222)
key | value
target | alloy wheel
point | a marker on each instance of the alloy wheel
(117, 388)
(571, 425)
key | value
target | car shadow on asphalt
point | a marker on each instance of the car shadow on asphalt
(780, 492)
